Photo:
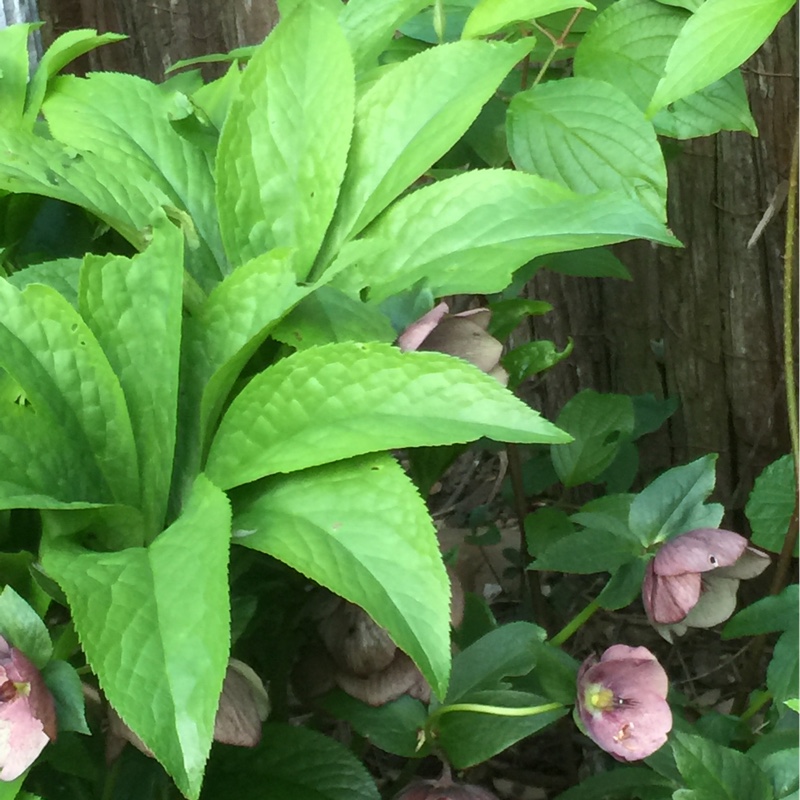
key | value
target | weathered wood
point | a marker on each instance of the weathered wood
(14, 11)
(716, 305)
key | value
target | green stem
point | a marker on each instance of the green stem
(758, 702)
(558, 46)
(574, 624)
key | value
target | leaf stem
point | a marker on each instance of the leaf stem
(574, 624)
(758, 702)
(558, 45)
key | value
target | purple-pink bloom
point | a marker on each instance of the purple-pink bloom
(463, 335)
(622, 702)
(692, 580)
(27, 712)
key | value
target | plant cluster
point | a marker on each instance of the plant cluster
(228, 386)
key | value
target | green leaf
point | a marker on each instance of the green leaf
(65, 685)
(588, 136)
(586, 552)
(545, 526)
(508, 314)
(128, 121)
(720, 36)
(769, 614)
(651, 412)
(722, 106)
(607, 513)
(594, 262)
(622, 782)
(393, 727)
(508, 650)
(144, 616)
(124, 200)
(599, 423)
(719, 773)
(628, 45)
(333, 402)
(771, 505)
(489, 16)
(468, 738)
(531, 358)
(66, 48)
(781, 769)
(329, 315)
(283, 147)
(324, 523)
(468, 234)
(22, 627)
(134, 307)
(624, 586)
(410, 118)
(52, 354)
(783, 674)
(62, 274)
(673, 502)
(14, 71)
(290, 763)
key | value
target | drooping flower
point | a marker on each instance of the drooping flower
(27, 712)
(693, 579)
(622, 702)
(463, 335)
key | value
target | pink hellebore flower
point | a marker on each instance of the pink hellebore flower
(622, 702)
(27, 713)
(462, 335)
(692, 580)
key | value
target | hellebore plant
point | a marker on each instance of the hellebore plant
(27, 713)
(622, 702)
(692, 581)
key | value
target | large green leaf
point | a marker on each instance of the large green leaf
(588, 136)
(283, 147)
(718, 37)
(713, 772)
(340, 400)
(772, 504)
(290, 763)
(587, 552)
(628, 45)
(123, 199)
(63, 274)
(52, 354)
(489, 16)
(360, 528)
(13, 72)
(134, 308)
(126, 121)
(600, 423)
(411, 117)
(467, 234)
(154, 624)
(369, 26)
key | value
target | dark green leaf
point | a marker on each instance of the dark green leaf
(769, 614)
(22, 627)
(65, 685)
(586, 552)
(772, 503)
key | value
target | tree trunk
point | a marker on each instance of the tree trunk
(702, 323)
(161, 32)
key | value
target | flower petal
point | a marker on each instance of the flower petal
(26, 737)
(716, 604)
(415, 334)
(668, 599)
(700, 550)
(750, 564)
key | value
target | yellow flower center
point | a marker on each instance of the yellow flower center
(598, 698)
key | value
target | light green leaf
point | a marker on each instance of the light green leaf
(772, 503)
(134, 307)
(628, 45)
(44, 167)
(467, 234)
(720, 36)
(410, 118)
(154, 624)
(722, 106)
(63, 274)
(489, 16)
(673, 502)
(360, 528)
(52, 354)
(329, 315)
(14, 71)
(66, 48)
(599, 423)
(369, 26)
(127, 121)
(22, 627)
(327, 769)
(283, 147)
(713, 771)
(588, 136)
(341, 400)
